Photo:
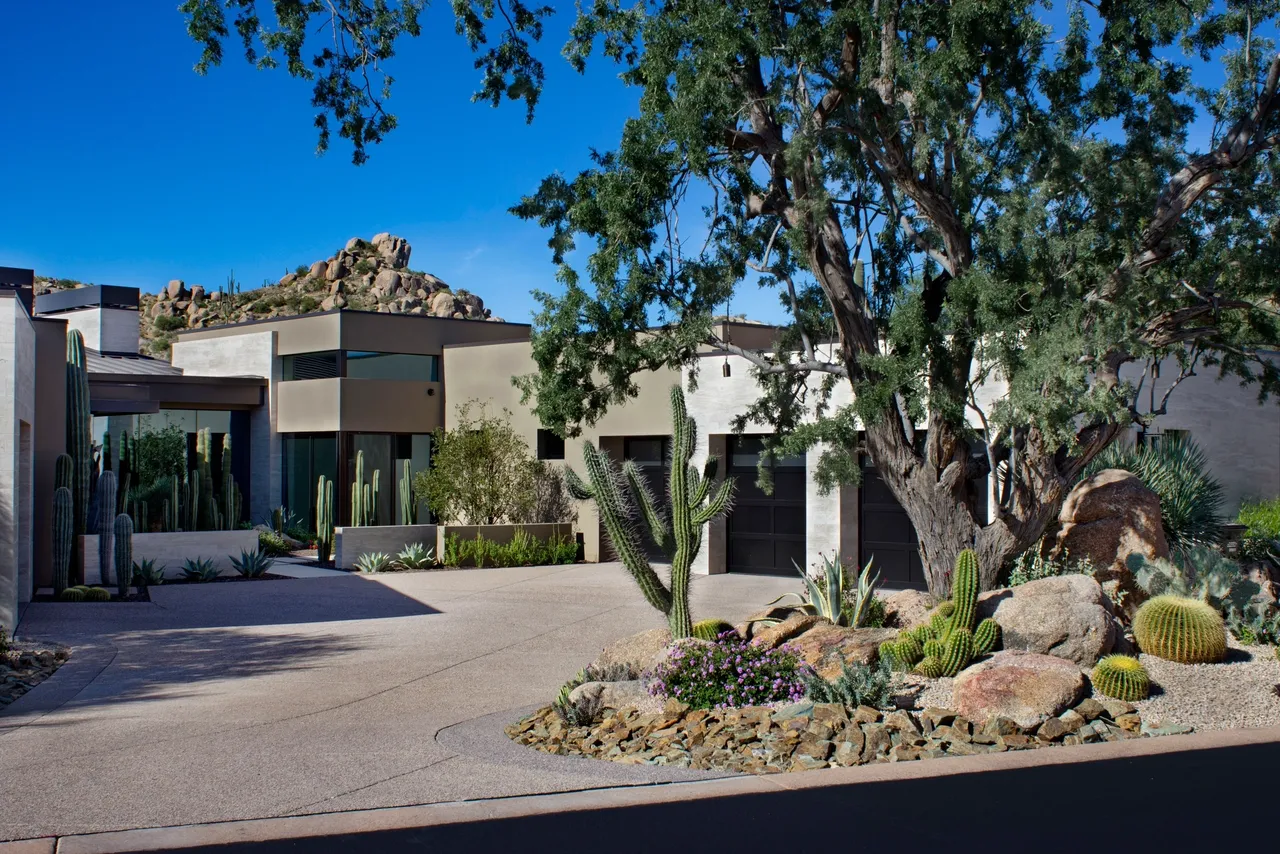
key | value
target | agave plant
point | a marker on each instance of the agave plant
(252, 564)
(146, 573)
(373, 562)
(199, 569)
(825, 596)
(416, 556)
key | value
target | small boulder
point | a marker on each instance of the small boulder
(197, 293)
(177, 288)
(318, 269)
(1065, 616)
(353, 244)
(826, 647)
(641, 651)
(288, 279)
(1025, 687)
(336, 270)
(776, 634)
(612, 695)
(442, 304)
(387, 281)
(907, 608)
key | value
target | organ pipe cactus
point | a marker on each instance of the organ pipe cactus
(694, 499)
(324, 518)
(79, 443)
(408, 507)
(123, 553)
(106, 515)
(63, 536)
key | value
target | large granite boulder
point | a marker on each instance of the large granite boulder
(1024, 686)
(612, 695)
(907, 608)
(826, 647)
(1106, 518)
(1067, 616)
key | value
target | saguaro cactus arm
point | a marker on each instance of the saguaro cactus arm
(655, 519)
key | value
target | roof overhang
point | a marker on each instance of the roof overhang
(134, 394)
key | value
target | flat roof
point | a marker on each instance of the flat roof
(90, 296)
(398, 315)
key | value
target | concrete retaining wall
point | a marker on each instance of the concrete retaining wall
(170, 550)
(501, 534)
(351, 542)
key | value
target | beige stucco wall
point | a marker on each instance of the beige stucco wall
(484, 373)
(17, 437)
(107, 330)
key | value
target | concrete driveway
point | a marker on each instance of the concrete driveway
(236, 701)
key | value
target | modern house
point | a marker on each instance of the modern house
(303, 396)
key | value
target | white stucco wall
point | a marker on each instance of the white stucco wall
(17, 419)
(252, 354)
(107, 330)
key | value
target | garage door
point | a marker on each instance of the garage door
(888, 535)
(652, 455)
(766, 532)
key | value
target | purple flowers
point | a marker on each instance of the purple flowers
(729, 673)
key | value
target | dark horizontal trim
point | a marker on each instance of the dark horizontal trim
(93, 296)
(124, 407)
(17, 277)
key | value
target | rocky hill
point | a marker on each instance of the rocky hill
(371, 275)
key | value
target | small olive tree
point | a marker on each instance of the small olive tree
(481, 471)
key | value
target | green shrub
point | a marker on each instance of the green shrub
(1256, 629)
(1032, 565)
(170, 322)
(1262, 529)
(1178, 472)
(301, 270)
(4, 642)
(272, 544)
(524, 550)
(364, 265)
(857, 685)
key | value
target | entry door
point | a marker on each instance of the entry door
(888, 535)
(652, 455)
(766, 532)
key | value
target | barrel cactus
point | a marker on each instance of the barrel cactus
(72, 594)
(709, 630)
(1188, 631)
(1122, 677)
(97, 594)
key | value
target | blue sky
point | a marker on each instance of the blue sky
(127, 168)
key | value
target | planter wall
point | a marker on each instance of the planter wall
(351, 542)
(501, 534)
(170, 550)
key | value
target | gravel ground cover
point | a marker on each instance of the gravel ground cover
(27, 664)
(1243, 691)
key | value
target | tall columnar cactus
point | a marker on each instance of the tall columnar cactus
(208, 518)
(949, 641)
(371, 503)
(230, 508)
(408, 507)
(123, 553)
(64, 508)
(64, 474)
(79, 442)
(694, 498)
(191, 498)
(324, 519)
(171, 514)
(357, 492)
(1189, 631)
(106, 516)
(108, 461)
(124, 469)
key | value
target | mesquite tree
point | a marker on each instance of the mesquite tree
(623, 498)
(945, 196)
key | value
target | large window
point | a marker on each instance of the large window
(367, 365)
(306, 457)
(386, 453)
(361, 364)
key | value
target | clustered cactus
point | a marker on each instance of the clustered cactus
(949, 641)
(694, 500)
(408, 507)
(1189, 631)
(1122, 677)
(364, 496)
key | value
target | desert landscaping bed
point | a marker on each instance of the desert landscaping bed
(26, 665)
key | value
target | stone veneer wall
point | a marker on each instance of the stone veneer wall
(351, 542)
(250, 354)
(171, 549)
(17, 411)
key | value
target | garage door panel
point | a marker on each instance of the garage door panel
(753, 517)
(766, 532)
(887, 526)
(788, 521)
(887, 535)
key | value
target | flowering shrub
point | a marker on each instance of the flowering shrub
(729, 672)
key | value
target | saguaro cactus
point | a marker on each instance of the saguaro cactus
(357, 492)
(63, 535)
(324, 519)
(106, 515)
(123, 554)
(408, 507)
(694, 499)
(79, 443)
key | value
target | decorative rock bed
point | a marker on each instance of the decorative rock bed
(804, 736)
(27, 664)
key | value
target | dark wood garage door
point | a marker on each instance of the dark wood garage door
(888, 535)
(766, 532)
(652, 455)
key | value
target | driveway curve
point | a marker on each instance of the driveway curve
(237, 701)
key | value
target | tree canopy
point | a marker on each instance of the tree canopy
(944, 195)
